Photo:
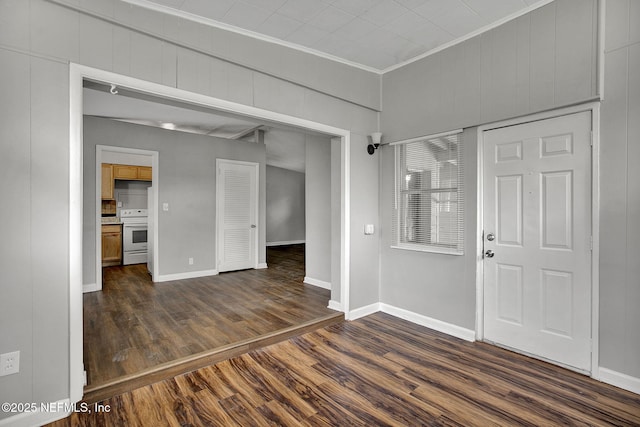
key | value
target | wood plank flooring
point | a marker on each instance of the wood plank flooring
(137, 332)
(378, 370)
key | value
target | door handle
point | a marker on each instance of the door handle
(489, 254)
(253, 226)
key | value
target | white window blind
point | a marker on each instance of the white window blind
(428, 212)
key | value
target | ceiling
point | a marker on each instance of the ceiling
(377, 35)
(285, 146)
(372, 34)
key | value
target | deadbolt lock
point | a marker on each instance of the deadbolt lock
(491, 237)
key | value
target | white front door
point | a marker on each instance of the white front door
(537, 227)
(237, 199)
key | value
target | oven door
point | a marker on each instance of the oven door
(135, 237)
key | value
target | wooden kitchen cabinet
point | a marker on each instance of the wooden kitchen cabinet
(144, 173)
(111, 245)
(141, 173)
(107, 181)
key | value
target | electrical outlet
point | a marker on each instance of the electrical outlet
(190, 261)
(9, 363)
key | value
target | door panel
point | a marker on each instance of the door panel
(537, 203)
(238, 214)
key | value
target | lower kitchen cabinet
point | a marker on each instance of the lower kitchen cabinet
(111, 245)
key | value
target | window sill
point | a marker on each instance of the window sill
(417, 248)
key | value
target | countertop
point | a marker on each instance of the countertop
(111, 220)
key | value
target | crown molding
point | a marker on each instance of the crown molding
(471, 35)
(263, 37)
(232, 28)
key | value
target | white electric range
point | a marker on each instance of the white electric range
(134, 236)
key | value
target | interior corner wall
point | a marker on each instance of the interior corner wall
(542, 60)
(285, 205)
(365, 204)
(318, 208)
(620, 191)
(38, 40)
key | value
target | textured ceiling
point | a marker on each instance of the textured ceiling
(285, 146)
(373, 34)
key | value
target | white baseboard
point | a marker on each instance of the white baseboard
(438, 325)
(286, 242)
(53, 411)
(91, 287)
(261, 265)
(618, 379)
(185, 275)
(363, 311)
(335, 305)
(318, 283)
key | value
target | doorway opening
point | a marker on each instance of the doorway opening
(123, 193)
(339, 292)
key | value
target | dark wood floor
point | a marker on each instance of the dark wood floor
(377, 370)
(134, 326)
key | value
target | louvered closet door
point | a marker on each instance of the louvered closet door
(237, 201)
(537, 225)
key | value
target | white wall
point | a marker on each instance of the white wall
(38, 38)
(285, 205)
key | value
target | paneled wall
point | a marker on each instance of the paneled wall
(542, 60)
(620, 192)
(38, 39)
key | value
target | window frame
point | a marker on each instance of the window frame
(400, 168)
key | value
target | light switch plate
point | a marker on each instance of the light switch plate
(165, 207)
(9, 363)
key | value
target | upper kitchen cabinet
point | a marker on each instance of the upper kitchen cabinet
(107, 181)
(141, 173)
(111, 172)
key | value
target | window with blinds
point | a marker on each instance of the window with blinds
(429, 198)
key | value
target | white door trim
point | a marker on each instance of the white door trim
(594, 108)
(256, 166)
(77, 73)
(100, 149)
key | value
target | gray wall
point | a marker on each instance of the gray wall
(365, 249)
(439, 286)
(187, 181)
(285, 205)
(34, 259)
(541, 60)
(38, 39)
(620, 191)
(318, 208)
